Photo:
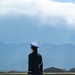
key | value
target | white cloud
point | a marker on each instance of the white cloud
(16, 7)
(47, 10)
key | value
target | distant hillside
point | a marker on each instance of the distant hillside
(72, 70)
(54, 69)
(14, 56)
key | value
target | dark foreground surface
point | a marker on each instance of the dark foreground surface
(43, 74)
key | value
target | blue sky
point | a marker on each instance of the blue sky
(51, 21)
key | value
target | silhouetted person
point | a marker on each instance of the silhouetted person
(35, 64)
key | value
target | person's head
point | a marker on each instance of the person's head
(34, 47)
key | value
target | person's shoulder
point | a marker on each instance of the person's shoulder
(39, 55)
(30, 54)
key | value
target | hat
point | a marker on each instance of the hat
(35, 44)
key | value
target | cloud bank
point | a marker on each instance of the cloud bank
(47, 11)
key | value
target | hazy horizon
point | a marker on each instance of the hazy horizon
(15, 56)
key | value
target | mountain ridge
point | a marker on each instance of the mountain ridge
(15, 55)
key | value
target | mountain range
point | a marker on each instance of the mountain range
(14, 56)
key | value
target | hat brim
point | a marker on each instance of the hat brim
(34, 46)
